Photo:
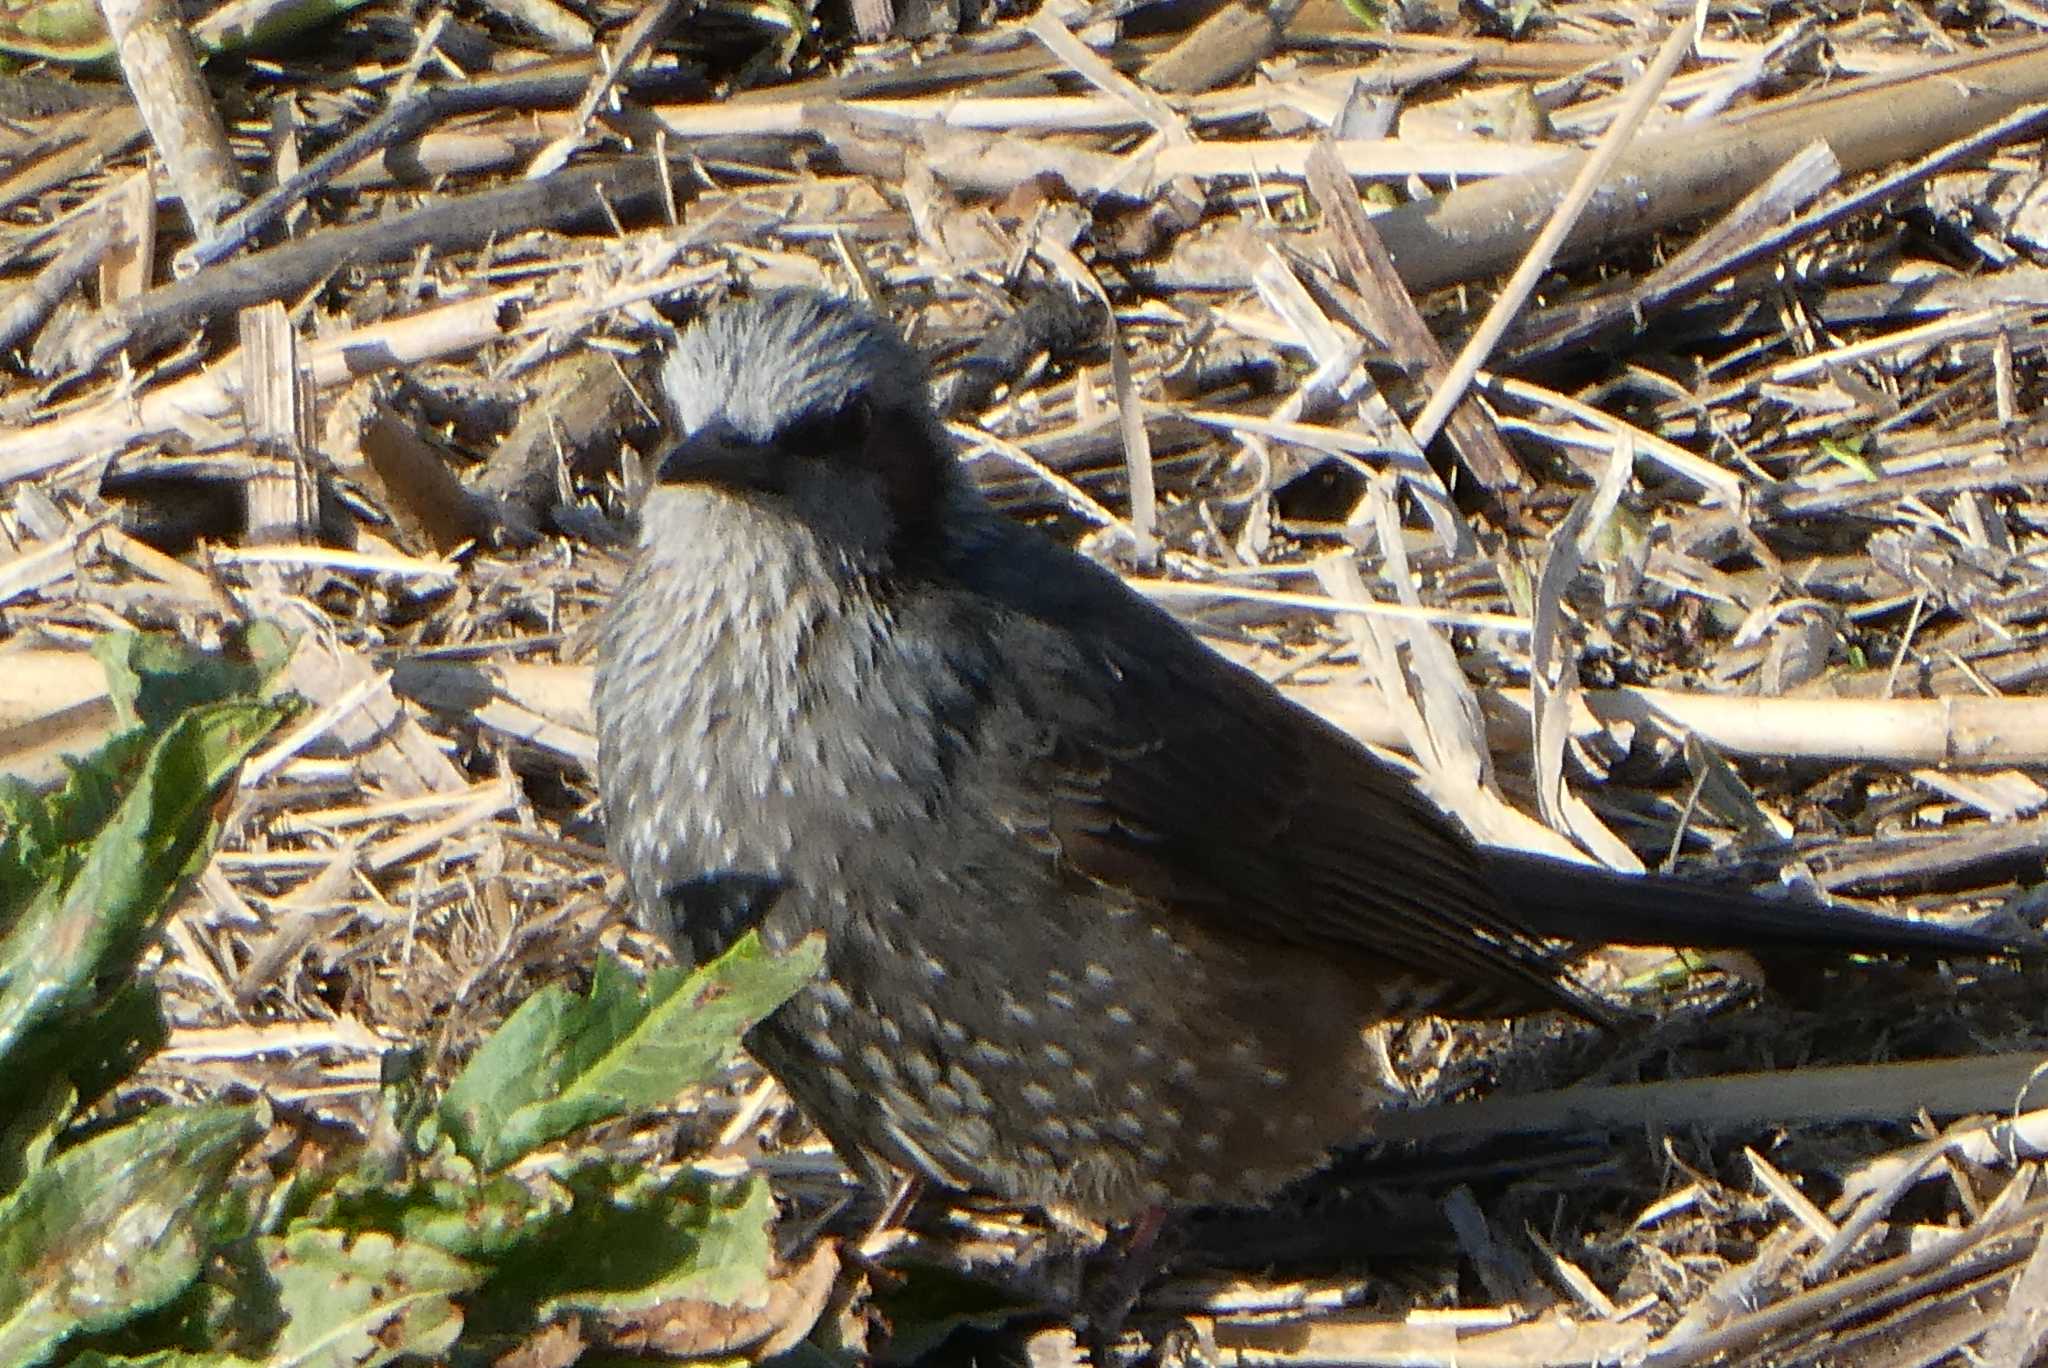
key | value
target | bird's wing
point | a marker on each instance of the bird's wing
(1160, 769)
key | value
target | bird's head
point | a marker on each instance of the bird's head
(809, 407)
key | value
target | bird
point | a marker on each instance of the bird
(1105, 916)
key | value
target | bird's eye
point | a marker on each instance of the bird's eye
(840, 436)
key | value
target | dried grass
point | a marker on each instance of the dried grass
(1804, 642)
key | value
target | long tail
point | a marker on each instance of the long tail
(1576, 902)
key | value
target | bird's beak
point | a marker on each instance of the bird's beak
(719, 456)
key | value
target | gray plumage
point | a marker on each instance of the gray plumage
(1104, 915)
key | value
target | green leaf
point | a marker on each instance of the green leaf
(561, 1062)
(710, 1244)
(73, 31)
(153, 679)
(362, 1300)
(27, 1134)
(113, 1227)
(634, 1240)
(446, 1204)
(1847, 452)
(44, 831)
(102, 1051)
(925, 1304)
(89, 925)
(78, 1058)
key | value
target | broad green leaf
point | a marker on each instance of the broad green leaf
(39, 1111)
(113, 1227)
(153, 679)
(52, 21)
(80, 1056)
(561, 1062)
(445, 1203)
(635, 1240)
(88, 927)
(356, 1301)
(43, 831)
(73, 31)
(713, 1244)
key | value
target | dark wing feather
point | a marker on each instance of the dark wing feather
(1173, 776)
(1579, 903)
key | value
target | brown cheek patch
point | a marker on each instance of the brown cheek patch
(910, 475)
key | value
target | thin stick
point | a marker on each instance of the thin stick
(1520, 285)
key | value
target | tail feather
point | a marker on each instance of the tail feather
(1575, 902)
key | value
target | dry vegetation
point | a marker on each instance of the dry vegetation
(1739, 462)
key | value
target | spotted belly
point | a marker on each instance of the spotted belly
(1172, 1079)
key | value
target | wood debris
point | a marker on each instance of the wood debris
(1731, 550)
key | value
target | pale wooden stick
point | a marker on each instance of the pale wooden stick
(163, 75)
(1806, 1096)
(1544, 250)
